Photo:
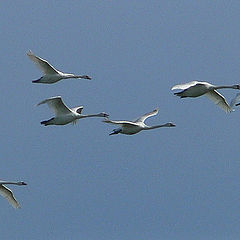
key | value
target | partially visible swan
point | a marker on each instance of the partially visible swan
(196, 89)
(52, 75)
(235, 101)
(132, 127)
(8, 194)
(64, 114)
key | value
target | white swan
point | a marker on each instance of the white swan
(64, 114)
(8, 194)
(196, 89)
(132, 127)
(235, 101)
(52, 75)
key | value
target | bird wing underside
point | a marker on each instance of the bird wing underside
(43, 64)
(145, 116)
(8, 194)
(219, 100)
(57, 104)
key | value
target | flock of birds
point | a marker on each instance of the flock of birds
(65, 115)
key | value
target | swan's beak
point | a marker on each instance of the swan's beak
(172, 125)
(23, 183)
(87, 77)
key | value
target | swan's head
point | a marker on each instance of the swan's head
(21, 183)
(170, 124)
(86, 77)
(103, 114)
(236, 86)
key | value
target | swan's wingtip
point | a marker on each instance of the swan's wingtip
(30, 52)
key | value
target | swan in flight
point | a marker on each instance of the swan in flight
(8, 194)
(235, 101)
(196, 89)
(52, 75)
(64, 114)
(132, 127)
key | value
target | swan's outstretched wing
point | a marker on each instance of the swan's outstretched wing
(120, 122)
(57, 104)
(8, 194)
(185, 85)
(78, 109)
(235, 101)
(44, 65)
(147, 115)
(219, 99)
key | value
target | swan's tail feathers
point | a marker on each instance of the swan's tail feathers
(47, 122)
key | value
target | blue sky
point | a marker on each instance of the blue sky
(177, 183)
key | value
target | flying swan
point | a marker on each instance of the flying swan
(132, 127)
(8, 194)
(196, 89)
(64, 114)
(235, 100)
(52, 75)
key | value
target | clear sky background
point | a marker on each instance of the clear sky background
(172, 183)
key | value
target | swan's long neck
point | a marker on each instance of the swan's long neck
(156, 126)
(224, 86)
(89, 115)
(70, 75)
(5, 182)
(77, 76)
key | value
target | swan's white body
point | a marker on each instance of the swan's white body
(64, 114)
(52, 75)
(8, 194)
(196, 89)
(132, 127)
